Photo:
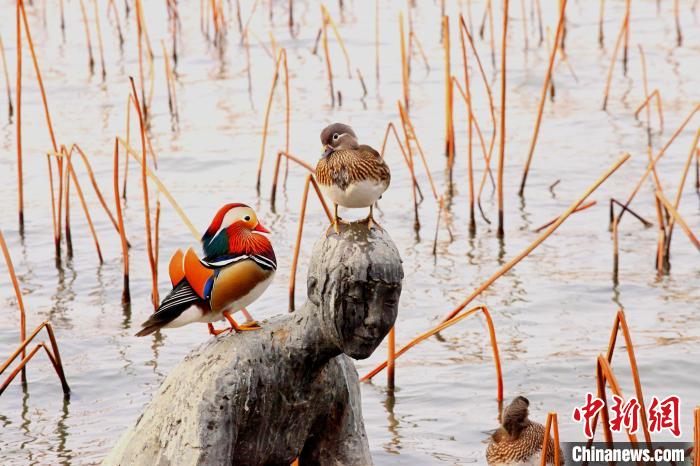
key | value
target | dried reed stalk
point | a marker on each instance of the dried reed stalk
(605, 375)
(20, 178)
(696, 439)
(524, 19)
(502, 133)
(623, 28)
(54, 223)
(95, 186)
(525, 252)
(678, 219)
(601, 32)
(7, 79)
(310, 181)
(99, 39)
(147, 208)
(376, 41)
(91, 59)
(21, 14)
(626, 36)
(339, 38)
(540, 29)
(470, 125)
(614, 201)
(658, 156)
(162, 189)
(79, 190)
(620, 323)
(442, 211)
(126, 295)
(282, 58)
(170, 82)
(408, 160)
(405, 76)
(410, 134)
(647, 103)
(362, 83)
(117, 23)
(413, 39)
(679, 34)
(487, 171)
(59, 216)
(439, 328)
(156, 236)
(275, 178)
(53, 355)
(677, 200)
(66, 182)
(18, 295)
(697, 171)
(449, 100)
(543, 96)
(489, 7)
(327, 55)
(578, 209)
(139, 41)
(550, 426)
(645, 83)
(392, 128)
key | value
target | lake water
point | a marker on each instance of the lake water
(552, 313)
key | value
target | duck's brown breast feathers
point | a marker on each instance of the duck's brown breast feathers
(345, 167)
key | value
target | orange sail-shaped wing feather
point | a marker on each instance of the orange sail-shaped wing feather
(196, 273)
(176, 268)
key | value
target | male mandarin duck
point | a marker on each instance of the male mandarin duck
(518, 442)
(350, 174)
(238, 265)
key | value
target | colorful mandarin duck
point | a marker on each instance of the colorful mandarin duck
(238, 266)
(350, 174)
(518, 442)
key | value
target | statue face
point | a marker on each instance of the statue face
(368, 311)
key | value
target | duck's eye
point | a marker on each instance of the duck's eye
(247, 218)
(336, 136)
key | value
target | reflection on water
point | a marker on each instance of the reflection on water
(552, 313)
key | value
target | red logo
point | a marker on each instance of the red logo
(624, 415)
(587, 412)
(665, 414)
(662, 414)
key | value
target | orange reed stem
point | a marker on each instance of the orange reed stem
(282, 56)
(678, 219)
(54, 357)
(126, 295)
(620, 35)
(442, 326)
(91, 59)
(7, 79)
(147, 208)
(18, 292)
(411, 134)
(405, 77)
(578, 209)
(310, 181)
(502, 133)
(543, 96)
(275, 179)
(525, 252)
(551, 425)
(79, 190)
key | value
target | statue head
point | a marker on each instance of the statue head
(354, 281)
